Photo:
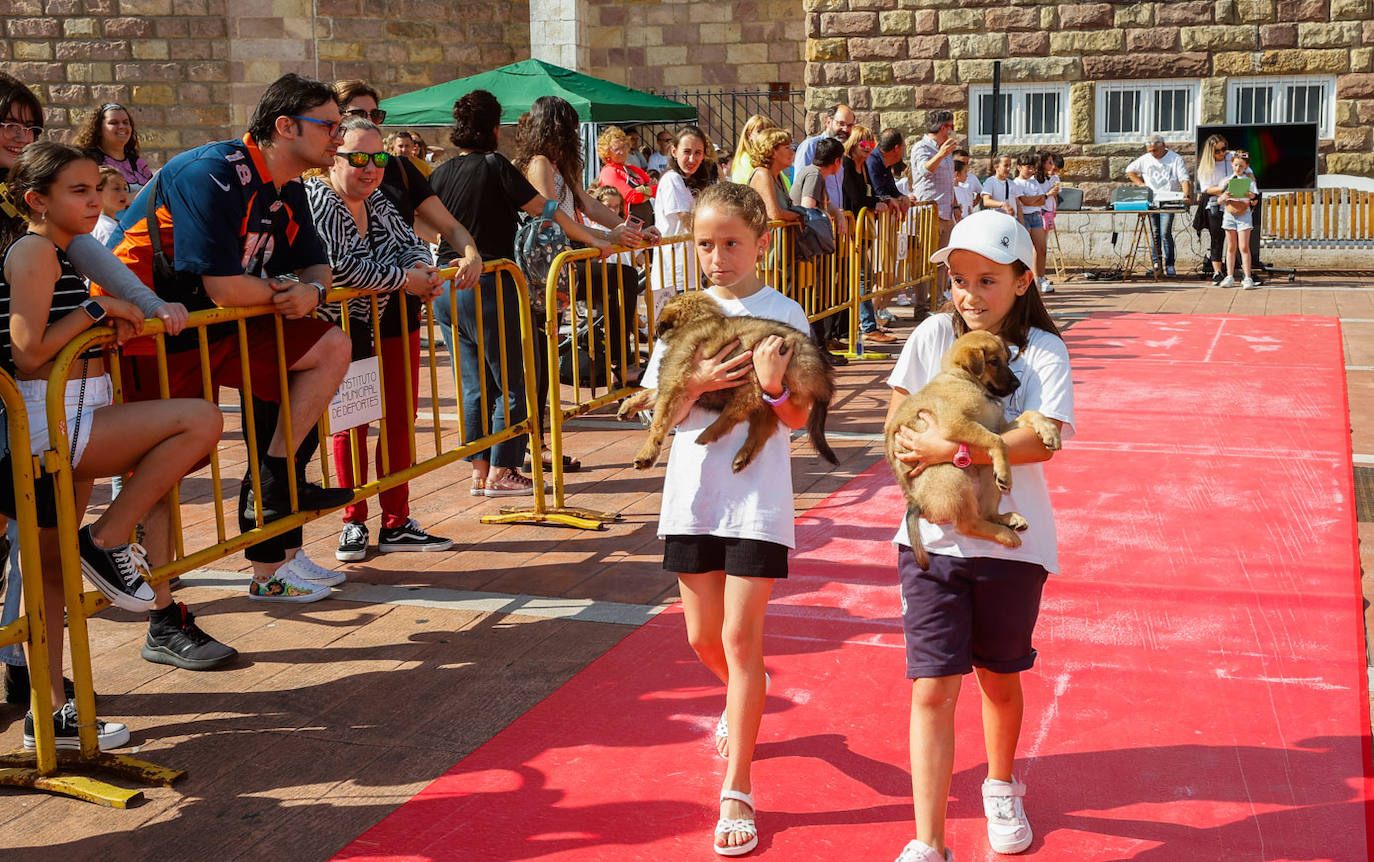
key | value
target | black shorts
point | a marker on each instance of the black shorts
(749, 558)
(963, 613)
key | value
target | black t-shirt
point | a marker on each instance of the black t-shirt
(484, 192)
(406, 187)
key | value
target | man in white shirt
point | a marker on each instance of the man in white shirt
(659, 160)
(1162, 170)
(837, 126)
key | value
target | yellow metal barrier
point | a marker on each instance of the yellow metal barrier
(39, 769)
(892, 255)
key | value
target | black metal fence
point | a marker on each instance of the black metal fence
(722, 113)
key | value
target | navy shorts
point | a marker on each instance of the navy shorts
(963, 613)
(749, 558)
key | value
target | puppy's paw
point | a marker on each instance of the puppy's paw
(741, 461)
(1007, 538)
(646, 457)
(1049, 435)
(1003, 481)
(1016, 522)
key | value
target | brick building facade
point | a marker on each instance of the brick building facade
(191, 70)
(1090, 80)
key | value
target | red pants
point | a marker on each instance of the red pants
(399, 422)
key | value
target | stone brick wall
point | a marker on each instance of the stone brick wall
(192, 70)
(689, 43)
(892, 60)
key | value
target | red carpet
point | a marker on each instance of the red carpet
(1200, 693)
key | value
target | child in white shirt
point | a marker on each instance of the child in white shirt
(974, 607)
(1030, 203)
(114, 199)
(727, 534)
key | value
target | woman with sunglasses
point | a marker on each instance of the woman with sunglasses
(1213, 170)
(109, 137)
(372, 248)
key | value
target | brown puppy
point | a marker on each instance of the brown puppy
(964, 400)
(693, 324)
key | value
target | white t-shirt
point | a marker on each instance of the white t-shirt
(702, 495)
(672, 205)
(1163, 175)
(104, 228)
(658, 162)
(1029, 187)
(1047, 386)
(967, 192)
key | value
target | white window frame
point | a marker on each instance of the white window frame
(1017, 133)
(1326, 123)
(1146, 91)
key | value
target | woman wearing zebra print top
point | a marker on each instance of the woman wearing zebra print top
(371, 247)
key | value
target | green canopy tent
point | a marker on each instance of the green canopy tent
(516, 87)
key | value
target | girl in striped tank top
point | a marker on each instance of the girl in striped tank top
(55, 187)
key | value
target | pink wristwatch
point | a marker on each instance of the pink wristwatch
(962, 458)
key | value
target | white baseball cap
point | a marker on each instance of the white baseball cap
(993, 234)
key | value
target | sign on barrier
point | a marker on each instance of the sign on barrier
(359, 399)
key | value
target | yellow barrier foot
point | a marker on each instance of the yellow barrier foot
(17, 770)
(75, 786)
(852, 356)
(580, 519)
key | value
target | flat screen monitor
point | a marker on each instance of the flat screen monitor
(1282, 155)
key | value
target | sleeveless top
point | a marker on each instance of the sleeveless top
(67, 295)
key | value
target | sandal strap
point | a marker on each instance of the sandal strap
(738, 796)
(722, 728)
(726, 825)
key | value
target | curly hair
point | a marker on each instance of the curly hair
(736, 200)
(609, 138)
(550, 130)
(475, 118)
(706, 172)
(760, 147)
(88, 137)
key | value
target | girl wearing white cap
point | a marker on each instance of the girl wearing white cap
(974, 607)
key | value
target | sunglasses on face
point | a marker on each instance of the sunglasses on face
(330, 126)
(14, 130)
(376, 115)
(360, 160)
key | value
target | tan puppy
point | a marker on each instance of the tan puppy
(964, 399)
(693, 324)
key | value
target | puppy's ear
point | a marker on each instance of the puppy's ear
(974, 362)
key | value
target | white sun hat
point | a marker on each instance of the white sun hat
(995, 235)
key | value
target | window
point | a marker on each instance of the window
(1028, 114)
(1306, 99)
(1130, 111)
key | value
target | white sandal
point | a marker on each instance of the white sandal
(723, 726)
(726, 825)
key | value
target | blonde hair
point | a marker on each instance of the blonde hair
(857, 135)
(108, 173)
(752, 126)
(737, 200)
(761, 146)
(609, 138)
(601, 193)
(1207, 157)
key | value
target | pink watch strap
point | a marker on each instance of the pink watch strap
(962, 458)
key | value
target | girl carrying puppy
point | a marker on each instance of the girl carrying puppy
(974, 608)
(727, 534)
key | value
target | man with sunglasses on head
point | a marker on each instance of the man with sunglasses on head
(233, 228)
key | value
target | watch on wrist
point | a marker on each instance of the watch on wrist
(782, 396)
(962, 458)
(320, 291)
(95, 310)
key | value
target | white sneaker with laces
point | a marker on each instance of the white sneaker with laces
(313, 572)
(1248, 284)
(287, 584)
(1009, 831)
(1228, 281)
(919, 851)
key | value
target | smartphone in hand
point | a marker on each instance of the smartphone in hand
(634, 222)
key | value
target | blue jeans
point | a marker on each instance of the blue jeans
(461, 318)
(13, 653)
(868, 321)
(1162, 230)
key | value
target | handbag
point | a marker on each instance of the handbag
(815, 234)
(1200, 214)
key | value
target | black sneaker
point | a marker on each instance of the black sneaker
(120, 573)
(18, 689)
(352, 543)
(109, 734)
(1217, 277)
(182, 644)
(411, 537)
(276, 497)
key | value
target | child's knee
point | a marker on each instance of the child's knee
(932, 693)
(705, 643)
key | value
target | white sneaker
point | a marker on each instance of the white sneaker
(919, 851)
(1008, 829)
(1228, 281)
(1248, 284)
(287, 584)
(902, 300)
(313, 572)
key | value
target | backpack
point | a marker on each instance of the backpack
(537, 243)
